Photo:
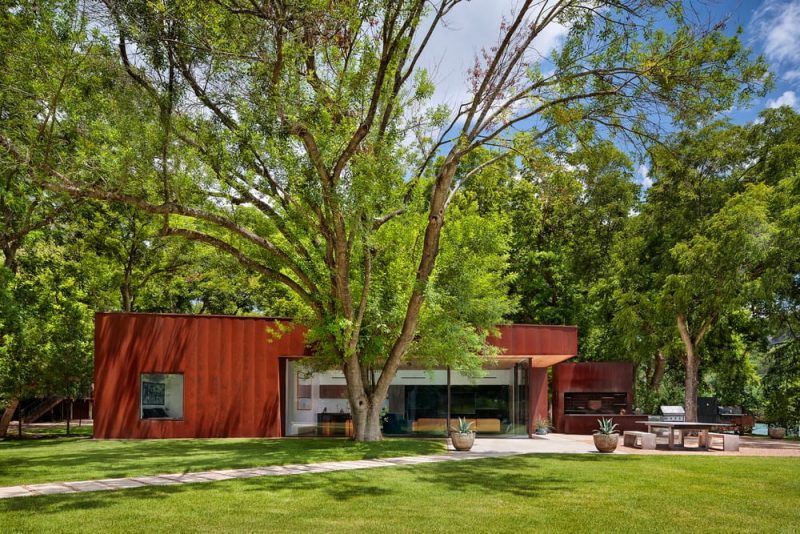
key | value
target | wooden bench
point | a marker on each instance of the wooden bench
(646, 440)
(730, 442)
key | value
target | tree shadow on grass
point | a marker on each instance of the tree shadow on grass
(524, 475)
(120, 458)
(55, 504)
(348, 485)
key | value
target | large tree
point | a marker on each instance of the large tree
(26, 210)
(695, 253)
(293, 135)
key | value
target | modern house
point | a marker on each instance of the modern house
(180, 376)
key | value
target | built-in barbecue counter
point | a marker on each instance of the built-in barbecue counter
(586, 392)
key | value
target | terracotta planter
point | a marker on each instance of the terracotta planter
(777, 432)
(462, 441)
(606, 442)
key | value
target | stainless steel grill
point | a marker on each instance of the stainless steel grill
(672, 413)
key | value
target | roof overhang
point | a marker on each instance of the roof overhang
(543, 345)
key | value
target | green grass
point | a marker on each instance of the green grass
(65, 459)
(52, 431)
(545, 493)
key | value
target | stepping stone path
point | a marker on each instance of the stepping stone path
(108, 484)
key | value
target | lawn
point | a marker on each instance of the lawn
(54, 431)
(70, 459)
(546, 493)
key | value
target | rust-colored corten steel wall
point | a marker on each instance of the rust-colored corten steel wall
(232, 371)
(231, 374)
(592, 377)
(537, 340)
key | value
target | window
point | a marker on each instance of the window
(161, 396)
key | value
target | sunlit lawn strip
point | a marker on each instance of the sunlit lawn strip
(59, 460)
(545, 493)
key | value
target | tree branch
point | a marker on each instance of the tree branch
(247, 262)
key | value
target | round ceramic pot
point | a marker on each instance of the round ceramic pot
(777, 432)
(606, 442)
(462, 441)
(541, 431)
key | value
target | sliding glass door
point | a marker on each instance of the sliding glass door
(419, 402)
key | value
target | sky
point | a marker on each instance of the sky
(770, 27)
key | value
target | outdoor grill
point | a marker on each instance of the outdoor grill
(730, 411)
(672, 413)
(735, 415)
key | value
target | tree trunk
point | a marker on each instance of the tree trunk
(692, 365)
(367, 421)
(8, 414)
(10, 257)
(125, 292)
(126, 298)
(69, 416)
(366, 402)
(659, 366)
(690, 402)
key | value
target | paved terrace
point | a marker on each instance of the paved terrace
(484, 448)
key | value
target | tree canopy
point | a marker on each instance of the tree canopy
(301, 141)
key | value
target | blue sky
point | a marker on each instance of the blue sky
(771, 28)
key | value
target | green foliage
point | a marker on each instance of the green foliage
(542, 424)
(468, 297)
(299, 141)
(733, 359)
(781, 384)
(606, 426)
(48, 332)
(566, 210)
(463, 426)
(702, 249)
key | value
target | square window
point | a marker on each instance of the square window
(161, 396)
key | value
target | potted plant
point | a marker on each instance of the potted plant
(463, 436)
(777, 431)
(542, 426)
(606, 436)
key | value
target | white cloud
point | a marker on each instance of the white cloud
(777, 26)
(791, 75)
(788, 98)
(470, 27)
(643, 172)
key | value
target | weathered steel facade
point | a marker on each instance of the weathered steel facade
(609, 385)
(232, 370)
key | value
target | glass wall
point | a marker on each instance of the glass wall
(419, 402)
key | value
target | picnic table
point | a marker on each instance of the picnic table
(683, 426)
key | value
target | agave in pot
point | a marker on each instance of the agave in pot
(606, 436)
(462, 435)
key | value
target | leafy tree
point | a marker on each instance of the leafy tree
(282, 140)
(782, 385)
(776, 146)
(24, 208)
(696, 252)
(47, 323)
